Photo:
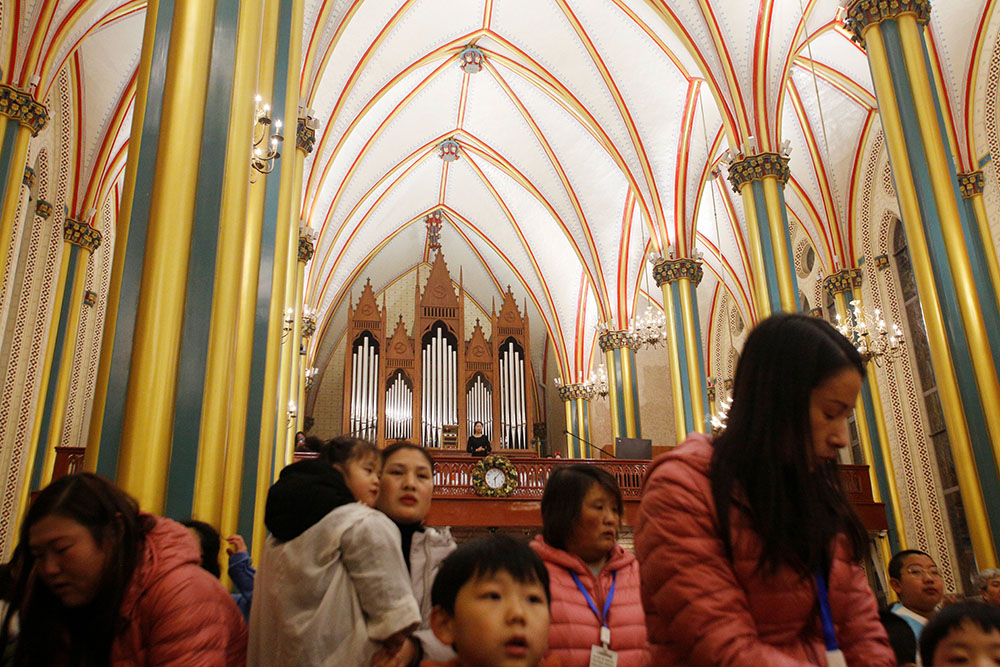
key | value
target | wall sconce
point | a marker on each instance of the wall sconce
(265, 143)
(292, 411)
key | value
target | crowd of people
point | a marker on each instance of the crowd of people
(747, 552)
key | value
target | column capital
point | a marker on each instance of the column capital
(672, 270)
(842, 281)
(757, 167)
(43, 209)
(305, 136)
(971, 183)
(308, 325)
(24, 108)
(81, 234)
(573, 392)
(863, 13)
(306, 249)
(616, 340)
(29, 177)
(90, 298)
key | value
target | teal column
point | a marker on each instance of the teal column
(868, 413)
(619, 349)
(577, 400)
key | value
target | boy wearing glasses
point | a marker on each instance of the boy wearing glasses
(917, 581)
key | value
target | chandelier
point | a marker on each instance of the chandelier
(650, 328)
(870, 335)
(595, 386)
(721, 416)
(264, 154)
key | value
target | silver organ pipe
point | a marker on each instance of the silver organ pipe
(439, 402)
(399, 408)
(513, 406)
(364, 389)
(479, 405)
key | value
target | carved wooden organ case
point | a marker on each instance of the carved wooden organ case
(420, 387)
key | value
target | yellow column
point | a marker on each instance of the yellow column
(21, 117)
(88, 240)
(971, 185)
(121, 241)
(287, 203)
(216, 415)
(941, 358)
(149, 406)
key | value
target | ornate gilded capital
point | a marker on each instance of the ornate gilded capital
(305, 136)
(617, 340)
(672, 270)
(29, 177)
(711, 390)
(90, 298)
(842, 281)
(864, 13)
(971, 183)
(81, 234)
(881, 262)
(308, 325)
(24, 108)
(306, 249)
(757, 167)
(816, 312)
(573, 392)
(43, 209)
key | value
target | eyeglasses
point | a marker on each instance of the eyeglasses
(920, 572)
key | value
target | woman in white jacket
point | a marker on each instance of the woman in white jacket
(332, 587)
(405, 490)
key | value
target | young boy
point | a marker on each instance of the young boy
(966, 633)
(491, 604)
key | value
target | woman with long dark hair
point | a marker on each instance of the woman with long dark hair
(750, 552)
(103, 583)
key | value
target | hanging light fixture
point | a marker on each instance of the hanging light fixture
(650, 328)
(595, 386)
(870, 335)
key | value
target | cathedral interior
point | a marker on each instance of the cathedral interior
(224, 222)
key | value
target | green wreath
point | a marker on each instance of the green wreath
(479, 484)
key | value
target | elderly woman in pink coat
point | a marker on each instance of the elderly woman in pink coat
(750, 552)
(596, 606)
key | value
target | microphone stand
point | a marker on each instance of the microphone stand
(589, 444)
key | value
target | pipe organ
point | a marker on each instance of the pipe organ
(414, 387)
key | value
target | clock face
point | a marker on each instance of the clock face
(495, 477)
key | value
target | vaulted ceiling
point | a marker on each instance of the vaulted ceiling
(589, 137)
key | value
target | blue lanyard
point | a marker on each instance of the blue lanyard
(829, 634)
(603, 618)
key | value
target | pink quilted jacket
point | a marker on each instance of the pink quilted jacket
(177, 613)
(703, 609)
(574, 627)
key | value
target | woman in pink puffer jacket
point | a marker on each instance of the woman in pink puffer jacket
(738, 539)
(581, 512)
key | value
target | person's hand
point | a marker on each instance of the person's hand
(407, 652)
(235, 544)
(388, 655)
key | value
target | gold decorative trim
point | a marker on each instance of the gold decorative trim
(843, 280)
(573, 392)
(43, 209)
(617, 340)
(864, 13)
(757, 167)
(306, 249)
(305, 136)
(308, 325)
(971, 183)
(81, 234)
(24, 108)
(672, 270)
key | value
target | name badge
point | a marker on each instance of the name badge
(603, 657)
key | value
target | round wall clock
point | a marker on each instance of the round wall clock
(494, 476)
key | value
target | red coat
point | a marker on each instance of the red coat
(574, 627)
(703, 609)
(178, 614)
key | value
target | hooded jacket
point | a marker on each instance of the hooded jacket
(704, 609)
(176, 613)
(429, 547)
(574, 627)
(336, 586)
